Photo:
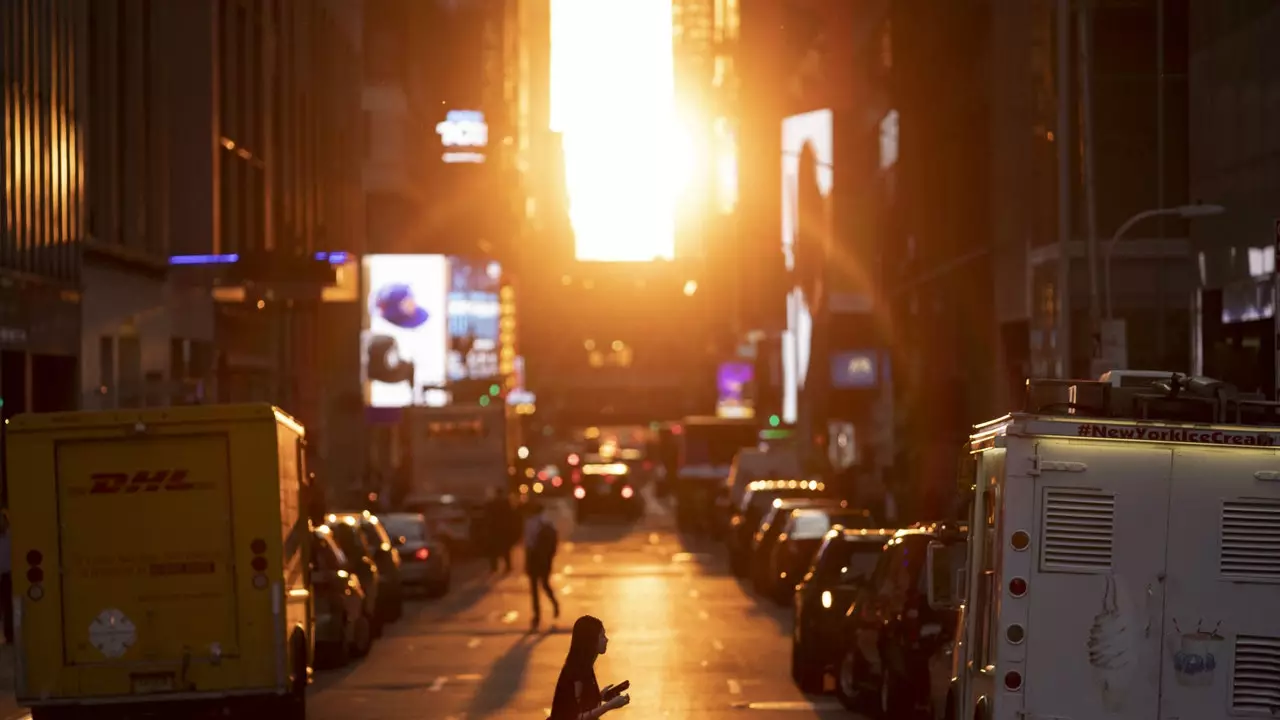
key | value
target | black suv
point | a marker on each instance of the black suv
(892, 639)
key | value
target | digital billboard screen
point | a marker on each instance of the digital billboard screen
(732, 382)
(474, 310)
(405, 331)
(808, 176)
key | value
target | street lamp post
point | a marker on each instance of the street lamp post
(1184, 211)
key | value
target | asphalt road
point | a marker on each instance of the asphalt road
(693, 642)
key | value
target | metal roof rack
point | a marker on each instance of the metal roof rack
(1150, 395)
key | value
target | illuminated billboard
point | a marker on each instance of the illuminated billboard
(732, 382)
(474, 309)
(464, 136)
(807, 178)
(405, 332)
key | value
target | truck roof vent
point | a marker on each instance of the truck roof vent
(1250, 541)
(1255, 682)
(1077, 530)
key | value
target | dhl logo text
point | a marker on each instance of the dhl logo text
(110, 483)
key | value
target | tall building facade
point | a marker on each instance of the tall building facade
(265, 126)
(44, 211)
(147, 335)
(1234, 73)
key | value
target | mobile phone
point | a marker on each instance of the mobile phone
(617, 690)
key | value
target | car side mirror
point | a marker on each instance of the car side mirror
(943, 591)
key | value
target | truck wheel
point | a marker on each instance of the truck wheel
(294, 705)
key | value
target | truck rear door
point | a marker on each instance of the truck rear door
(1221, 632)
(1084, 604)
(146, 549)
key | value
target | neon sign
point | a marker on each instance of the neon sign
(467, 131)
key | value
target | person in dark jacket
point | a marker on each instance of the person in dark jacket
(540, 544)
(578, 696)
(499, 516)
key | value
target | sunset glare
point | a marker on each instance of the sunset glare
(612, 97)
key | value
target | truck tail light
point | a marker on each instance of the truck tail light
(422, 554)
(259, 563)
(1013, 681)
(35, 574)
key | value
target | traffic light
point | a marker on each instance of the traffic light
(774, 421)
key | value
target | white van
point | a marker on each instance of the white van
(1122, 567)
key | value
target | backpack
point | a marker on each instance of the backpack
(547, 542)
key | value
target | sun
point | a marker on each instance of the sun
(613, 100)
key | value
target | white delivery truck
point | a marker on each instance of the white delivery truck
(1124, 557)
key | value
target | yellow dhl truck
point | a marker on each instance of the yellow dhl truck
(160, 562)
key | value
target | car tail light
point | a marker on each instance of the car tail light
(627, 492)
(609, 479)
(579, 492)
(557, 481)
(422, 554)
(35, 574)
(259, 563)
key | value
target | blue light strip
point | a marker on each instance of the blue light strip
(333, 258)
(204, 259)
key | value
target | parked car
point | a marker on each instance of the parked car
(425, 562)
(892, 640)
(771, 527)
(385, 554)
(793, 552)
(757, 499)
(351, 541)
(841, 566)
(448, 521)
(344, 614)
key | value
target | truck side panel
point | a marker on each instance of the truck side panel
(295, 531)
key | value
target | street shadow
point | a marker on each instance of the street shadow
(502, 682)
(765, 606)
(464, 595)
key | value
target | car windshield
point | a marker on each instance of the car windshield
(846, 558)
(350, 541)
(809, 525)
(410, 528)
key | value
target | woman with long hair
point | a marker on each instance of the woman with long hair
(578, 695)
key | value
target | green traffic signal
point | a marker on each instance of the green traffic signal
(494, 389)
(484, 401)
(774, 421)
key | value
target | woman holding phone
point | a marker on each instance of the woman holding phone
(578, 695)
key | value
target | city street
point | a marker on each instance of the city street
(691, 640)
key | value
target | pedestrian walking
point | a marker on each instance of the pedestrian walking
(578, 695)
(6, 577)
(497, 530)
(540, 543)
